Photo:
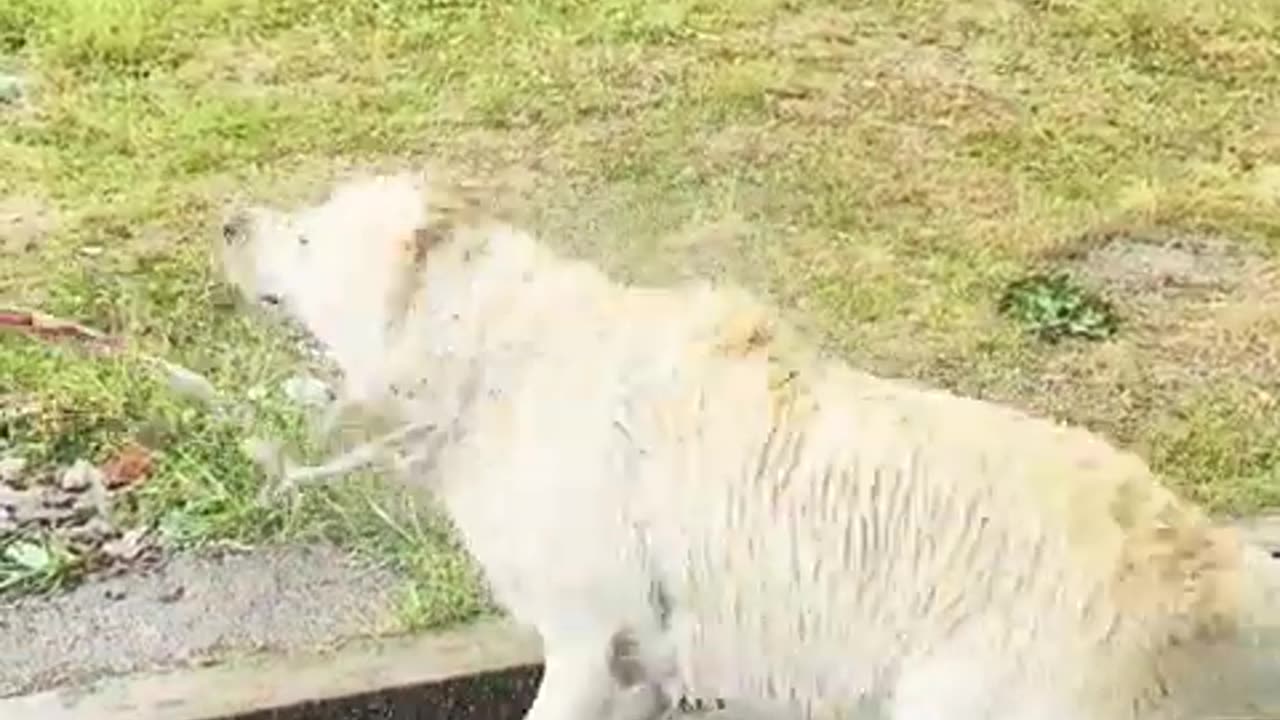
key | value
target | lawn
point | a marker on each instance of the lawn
(1069, 205)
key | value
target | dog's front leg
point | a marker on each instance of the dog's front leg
(582, 681)
(576, 684)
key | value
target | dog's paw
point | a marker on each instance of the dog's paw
(276, 469)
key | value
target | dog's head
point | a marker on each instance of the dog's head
(343, 268)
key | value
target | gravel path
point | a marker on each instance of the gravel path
(192, 609)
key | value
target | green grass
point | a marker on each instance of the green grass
(1054, 307)
(890, 169)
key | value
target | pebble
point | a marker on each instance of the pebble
(172, 595)
(51, 498)
(22, 507)
(189, 383)
(79, 526)
(81, 476)
(10, 498)
(37, 512)
(102, 528)
(307, 391)
(128, 546)
(12, 88)
(96, 497)
(11, 469)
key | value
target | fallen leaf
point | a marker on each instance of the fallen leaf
(129, 465)
(29, 556)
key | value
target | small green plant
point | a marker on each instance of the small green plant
(1054, 307)
(35, 565)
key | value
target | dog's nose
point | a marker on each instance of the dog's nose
(234, 227)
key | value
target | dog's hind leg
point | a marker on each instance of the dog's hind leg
(643, 672)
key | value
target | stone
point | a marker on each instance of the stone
(81, 476)
(12, 89)
(307, 391)
(12, 468)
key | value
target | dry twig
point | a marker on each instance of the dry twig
(50, 328)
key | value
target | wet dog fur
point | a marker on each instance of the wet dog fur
(761, 522)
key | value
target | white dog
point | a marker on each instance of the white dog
(670, 466)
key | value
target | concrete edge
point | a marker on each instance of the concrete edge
(267, 681)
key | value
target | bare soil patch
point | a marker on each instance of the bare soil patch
(1163, 265)
(1198, 318)
(1199, 307)
(24, 221)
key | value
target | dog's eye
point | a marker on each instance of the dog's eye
(303, 240)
